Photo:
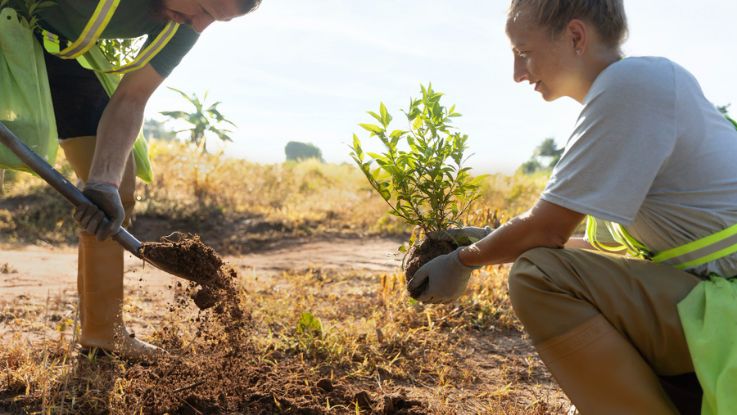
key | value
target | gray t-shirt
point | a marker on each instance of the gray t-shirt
(651, 153)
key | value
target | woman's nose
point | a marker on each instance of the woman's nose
(520, 70)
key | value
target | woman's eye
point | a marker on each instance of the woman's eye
(522, 54)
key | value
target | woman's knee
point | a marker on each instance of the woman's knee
(544, 292)
(527, 277)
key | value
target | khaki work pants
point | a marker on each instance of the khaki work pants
(565, 296)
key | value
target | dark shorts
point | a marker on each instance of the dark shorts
(77, 95)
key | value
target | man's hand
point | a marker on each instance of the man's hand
(441, 280)
(105, 203)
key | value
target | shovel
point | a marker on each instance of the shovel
(76, 198)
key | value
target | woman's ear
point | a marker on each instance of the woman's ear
(578, 34)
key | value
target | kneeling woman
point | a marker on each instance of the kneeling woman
(651, 163)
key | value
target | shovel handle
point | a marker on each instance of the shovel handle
(60, 183)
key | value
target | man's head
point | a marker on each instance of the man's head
(201, 13)
(558, 44)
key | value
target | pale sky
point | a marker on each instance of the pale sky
(299, 70)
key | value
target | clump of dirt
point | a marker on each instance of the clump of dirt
(7, 269)
(422, 252)
(184, 255)
(187, 256)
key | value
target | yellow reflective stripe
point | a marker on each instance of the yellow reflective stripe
(51, 42)
(591, 235)
(92, 31)
(708, 258)
(148, 53)
(696, 245)
(634, 247)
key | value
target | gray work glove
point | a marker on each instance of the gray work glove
(105, 203)
(463, 236)
(441, 280)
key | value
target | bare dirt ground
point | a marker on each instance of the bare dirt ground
(40, 272)
(499, 370)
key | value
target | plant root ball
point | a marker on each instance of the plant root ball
(423, 252)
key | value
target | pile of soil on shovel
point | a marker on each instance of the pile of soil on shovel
(427, 249)
(187, 256)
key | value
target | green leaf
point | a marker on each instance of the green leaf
(376, 116)
(309, 325)
(397, 134)
(730, 119)
(372, 128)
(386, 119)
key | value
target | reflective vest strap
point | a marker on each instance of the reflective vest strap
(701, 251)
(592, 237)
(92, 31)
(51, 42)
(148, 53)
(634, 247)
(625, 241)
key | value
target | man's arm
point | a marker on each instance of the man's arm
(118, 128)
(545, 225)
(120, 124)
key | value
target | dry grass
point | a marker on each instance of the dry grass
(307, 198)
(466, 358)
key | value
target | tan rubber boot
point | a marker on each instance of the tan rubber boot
(101, 269)
(602, 373)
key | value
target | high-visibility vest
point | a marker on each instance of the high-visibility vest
(91, 33)
(687, 256)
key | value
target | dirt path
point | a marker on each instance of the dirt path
(43, 272)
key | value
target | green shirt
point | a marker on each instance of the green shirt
(133, 18)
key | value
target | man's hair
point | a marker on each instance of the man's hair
(607, 16)
(247, 6)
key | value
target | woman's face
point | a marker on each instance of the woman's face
(545, 62)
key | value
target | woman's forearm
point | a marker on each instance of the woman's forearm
(545, 225)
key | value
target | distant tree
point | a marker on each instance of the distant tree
(550, 150)
(202, 120)
(545, 157)
(296, 150)
(530, 166)
(153, 128)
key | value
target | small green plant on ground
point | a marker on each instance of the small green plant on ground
(421, 174)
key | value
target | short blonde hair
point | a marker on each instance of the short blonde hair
(607, 16)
